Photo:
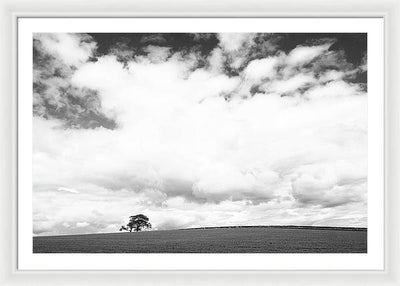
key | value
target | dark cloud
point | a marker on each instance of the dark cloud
(354, 45)
(153, 39)
(262, 45)
(129, 45)
(55, 97)
(122, 50)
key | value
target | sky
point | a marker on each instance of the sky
(197, 130)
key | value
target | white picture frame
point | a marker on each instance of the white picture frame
(372, 260)
(11, 275)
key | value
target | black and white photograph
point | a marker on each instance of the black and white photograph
(200, 143)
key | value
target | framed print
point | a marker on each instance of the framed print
(212, 137)
(189, 144)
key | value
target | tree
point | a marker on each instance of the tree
(136, 223)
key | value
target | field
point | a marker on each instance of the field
(211, 240)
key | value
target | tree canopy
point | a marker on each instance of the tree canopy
(136, 223)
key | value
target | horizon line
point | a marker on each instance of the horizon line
(233, 226)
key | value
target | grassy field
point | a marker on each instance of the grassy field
(211, 240)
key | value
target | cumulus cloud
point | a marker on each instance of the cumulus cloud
(199, 146)
(56, 57)
(303, 55)
(261, 69)
(235, 41)
(157, 54)
(72, 49)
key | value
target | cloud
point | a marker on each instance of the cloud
(82, 224)
(330, 185)
(216, 60)
(68, 190)
(197, 146)
(153, 39)
(122, 50)
(335, 89)
(303, 55)
(157, 54)
(53, 94)
(72, 49)
(261, 69)
(292, 84)
(234, 41)
(331, 75)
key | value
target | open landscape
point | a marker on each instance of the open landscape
(259, 239)
(200, 143)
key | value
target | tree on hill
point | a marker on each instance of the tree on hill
(136, 223)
